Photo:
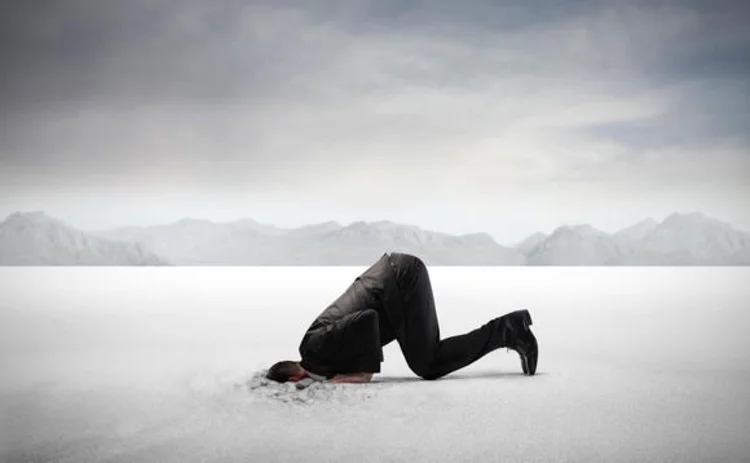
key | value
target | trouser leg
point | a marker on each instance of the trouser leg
(426, 354)
(419, 337)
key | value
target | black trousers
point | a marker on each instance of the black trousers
(427, 355)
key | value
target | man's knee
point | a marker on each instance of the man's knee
(424, 370)
(429, 375)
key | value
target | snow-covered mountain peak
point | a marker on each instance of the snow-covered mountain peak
(529, 243)
(31, 218)
(636, 232)
(646, 223)
(37, 239)
(194, 223)
(581, 231)
(478, 239)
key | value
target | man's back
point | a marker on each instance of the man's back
(357, 324)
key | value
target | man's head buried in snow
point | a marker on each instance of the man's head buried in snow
(286, 370)
(293, 372)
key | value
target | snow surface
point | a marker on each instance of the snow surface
(165, 364)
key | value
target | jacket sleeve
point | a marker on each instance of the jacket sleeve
(350, 344)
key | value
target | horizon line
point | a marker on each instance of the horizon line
(404, 224)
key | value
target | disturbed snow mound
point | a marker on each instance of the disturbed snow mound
(318, 392)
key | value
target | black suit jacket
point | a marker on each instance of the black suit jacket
(348, 336)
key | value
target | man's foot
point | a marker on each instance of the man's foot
(522, 340)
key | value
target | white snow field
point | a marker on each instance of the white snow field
(164, 364)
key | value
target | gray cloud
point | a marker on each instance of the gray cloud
(260, 96)
(223, 51)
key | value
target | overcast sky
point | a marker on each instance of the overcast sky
(503, 117)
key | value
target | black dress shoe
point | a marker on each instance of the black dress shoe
(522, 340)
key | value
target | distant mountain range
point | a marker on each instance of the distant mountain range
(37, 239)
(680, 239)
(246, 242)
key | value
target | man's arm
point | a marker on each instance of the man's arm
(350, 344)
